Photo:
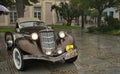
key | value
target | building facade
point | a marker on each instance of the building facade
(41, 10)
(113, 12)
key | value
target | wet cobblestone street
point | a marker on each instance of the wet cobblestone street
(98, 54)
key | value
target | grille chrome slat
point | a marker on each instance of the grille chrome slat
(47, 40)
(48, 37)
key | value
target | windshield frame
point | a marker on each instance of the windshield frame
(27, 24)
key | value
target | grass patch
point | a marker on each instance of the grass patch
(63, 27)
(56, 27)
(103, 30)
(114, 32)
(7, 30)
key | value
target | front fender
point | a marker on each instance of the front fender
(28, 46)
(68, 40)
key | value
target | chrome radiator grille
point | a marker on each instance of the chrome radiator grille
(47, 40)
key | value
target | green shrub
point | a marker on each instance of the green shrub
(92, 29)
(114, 32)
(58, 27)
(105, 28)
(112, 26)
(112, 22)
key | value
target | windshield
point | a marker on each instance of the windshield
(31, 24)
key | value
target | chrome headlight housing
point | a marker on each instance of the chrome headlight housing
(59, 51)
(48, 52)
(34, 36)
(61, 34)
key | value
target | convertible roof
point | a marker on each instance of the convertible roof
(19, 20)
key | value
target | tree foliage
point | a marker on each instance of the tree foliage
(82, 7)
(77, 10)
(7, 3)
(20, 6)
(100, 5)
(65, 10)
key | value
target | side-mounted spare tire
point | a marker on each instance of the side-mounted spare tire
(9, 40)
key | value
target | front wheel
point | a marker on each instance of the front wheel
(71, 60)
(18, 59)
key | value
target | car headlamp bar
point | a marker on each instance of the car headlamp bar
(34, 36)
(69, 47)
(61, 34)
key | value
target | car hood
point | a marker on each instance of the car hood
(32, 29)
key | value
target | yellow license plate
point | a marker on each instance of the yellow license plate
(69, 49)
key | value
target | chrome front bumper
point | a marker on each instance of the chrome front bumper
(61, 57)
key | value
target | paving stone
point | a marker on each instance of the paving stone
(5, 73)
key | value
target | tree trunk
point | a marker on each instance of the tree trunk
(99, 19)
(85, 19)
(77, 21)
(69, 21)
(57, 14)
(20, 6)
(83, 22)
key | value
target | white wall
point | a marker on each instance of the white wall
(108, 10)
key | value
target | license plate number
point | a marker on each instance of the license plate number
(70, 51)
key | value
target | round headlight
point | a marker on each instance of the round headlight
(61, 34)
(59, 51)
(48, 52)
(34, 36)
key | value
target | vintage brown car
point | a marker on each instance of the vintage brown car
(34, 40)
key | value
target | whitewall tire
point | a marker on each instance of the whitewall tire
(18, 59)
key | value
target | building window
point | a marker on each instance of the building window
(59, 18)
(111, 13)
(13, 15)
(37, 12)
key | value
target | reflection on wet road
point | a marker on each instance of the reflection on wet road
(98, 54)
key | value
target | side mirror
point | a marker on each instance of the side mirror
(17, 28)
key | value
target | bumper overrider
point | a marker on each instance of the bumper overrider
(65, 56)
